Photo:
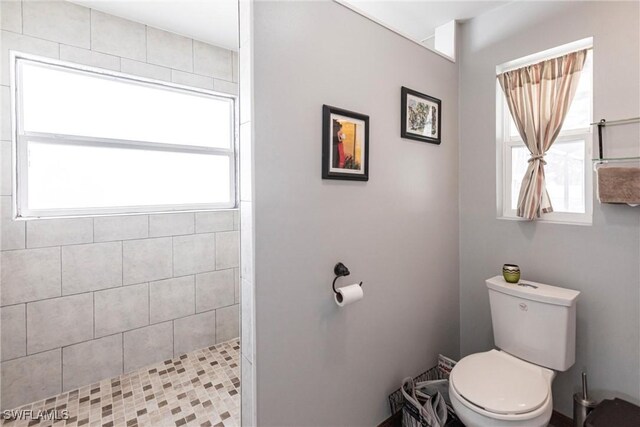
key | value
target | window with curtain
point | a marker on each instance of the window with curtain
(90, 141)
(568, 160)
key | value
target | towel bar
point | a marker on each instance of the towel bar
(602, 123)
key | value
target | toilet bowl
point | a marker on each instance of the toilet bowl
(534, 327)
(496, 389)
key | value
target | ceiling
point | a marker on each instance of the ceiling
(210, 21)
(419, 19)
(216, 21)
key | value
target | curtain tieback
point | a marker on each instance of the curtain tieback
(538, 157)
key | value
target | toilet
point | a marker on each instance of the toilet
(534, 327)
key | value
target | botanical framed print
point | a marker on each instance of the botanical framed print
(345, 144)
(421, 116)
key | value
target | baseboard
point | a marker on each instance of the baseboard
(557, 420)
(393, 421)
(560, 420)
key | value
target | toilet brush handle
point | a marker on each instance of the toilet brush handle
(584, 386)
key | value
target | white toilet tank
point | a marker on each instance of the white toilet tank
(534, 322)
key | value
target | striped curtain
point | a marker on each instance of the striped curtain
(539, 97)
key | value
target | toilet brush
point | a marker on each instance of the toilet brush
(582, 405)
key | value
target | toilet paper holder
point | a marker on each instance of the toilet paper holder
(340, 270)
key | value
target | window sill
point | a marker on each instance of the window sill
(71, 215)
(583, 221)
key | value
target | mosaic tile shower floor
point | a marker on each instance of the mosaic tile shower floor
(201, 388)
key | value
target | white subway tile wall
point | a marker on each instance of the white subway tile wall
(58, 322)
(190, 79)
(110, 228)
(89, 57)
(215, 289)
(91, 267)
(147, 345)
(117, 36)
(13, 332)
(30, 275)
(169, 50)
(121, 309)
(194, 332)
(195, 253)
(5, 164)
(89, 298)
(171, 299)
(171, 224)
(212, 61)
(11, 16)
(5, 125)
(227, 323)
(58, 232)
(143, 69)
(36, 375)
(91, 361)
(227, 250)
(145, 260)
(210, 222)
(58, 21)
(13, 232)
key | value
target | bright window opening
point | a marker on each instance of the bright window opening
(567, 172)
(92, 142)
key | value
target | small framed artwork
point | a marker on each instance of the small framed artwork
(345, 144)
(421, 116)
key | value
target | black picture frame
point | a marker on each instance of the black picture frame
(429, 101)
(331, 140)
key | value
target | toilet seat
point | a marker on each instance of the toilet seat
(501, 384)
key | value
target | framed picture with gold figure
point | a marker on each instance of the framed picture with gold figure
(345, 144)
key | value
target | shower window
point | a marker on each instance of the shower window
(93, 142)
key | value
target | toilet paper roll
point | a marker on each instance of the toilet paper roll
(349, 294)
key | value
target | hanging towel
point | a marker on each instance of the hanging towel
(619, 185)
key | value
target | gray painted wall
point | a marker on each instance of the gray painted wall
(318, 364)
(602, 260)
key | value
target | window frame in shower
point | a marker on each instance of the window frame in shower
(20, 139)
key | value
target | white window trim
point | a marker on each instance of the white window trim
(19, 147)
(504, 142)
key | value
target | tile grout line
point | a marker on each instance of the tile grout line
(61, 288)
(193, 59)
(91, 29)
(119, 332)
(106, 240)
(61, 370)
(26, 332)
(112, 288)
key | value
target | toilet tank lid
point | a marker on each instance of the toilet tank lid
(534, 291)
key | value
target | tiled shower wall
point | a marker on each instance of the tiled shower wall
(89, 298)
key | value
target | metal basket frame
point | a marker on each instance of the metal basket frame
(410, 416)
